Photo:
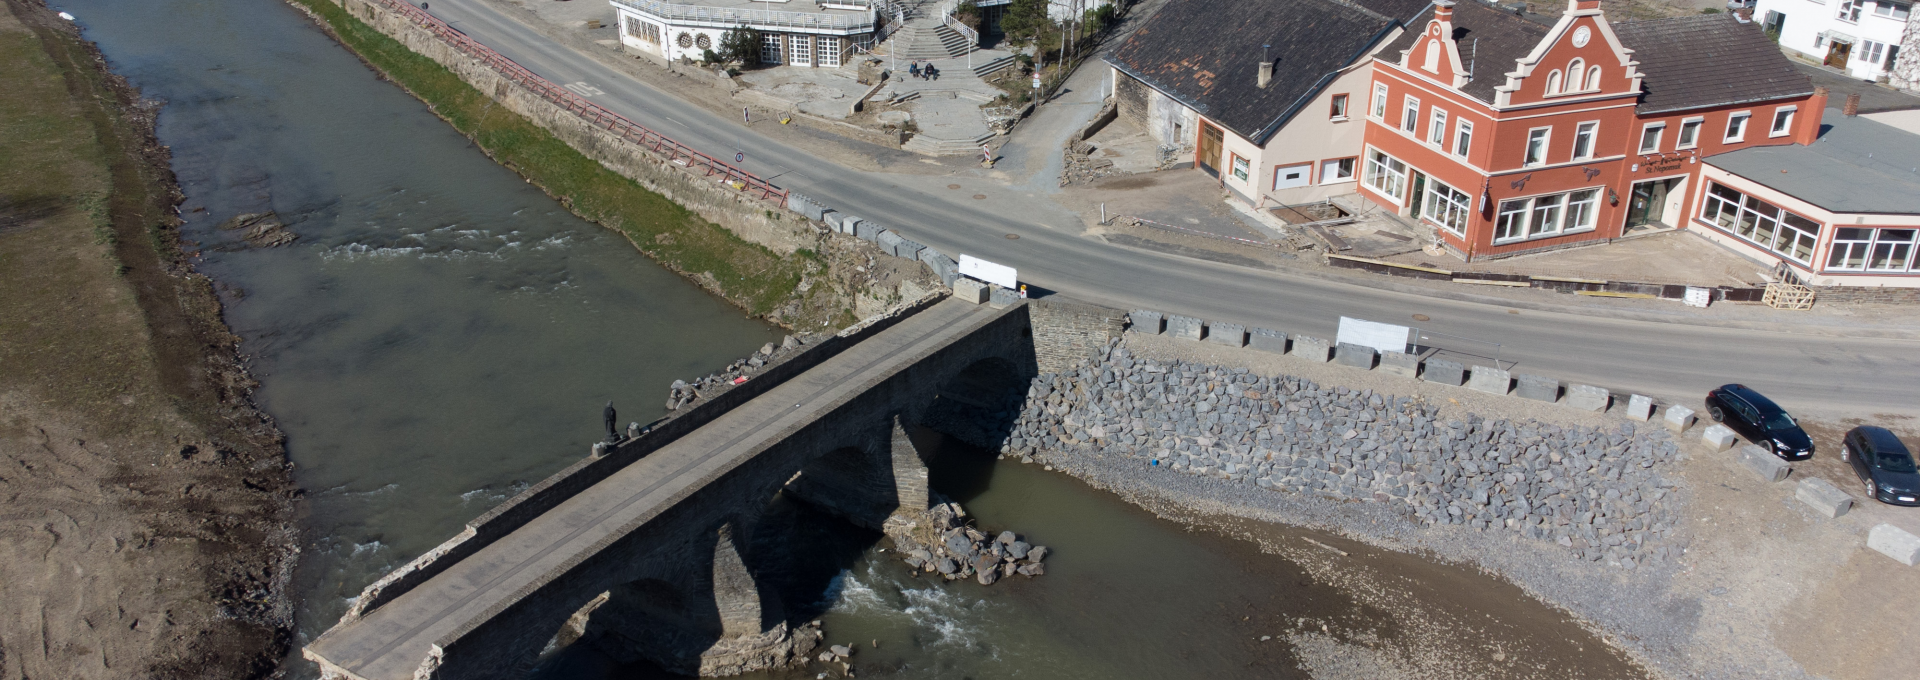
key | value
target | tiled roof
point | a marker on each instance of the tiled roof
(1491, 41)
(1206, 54)
(1857, 166)
(1708, 60)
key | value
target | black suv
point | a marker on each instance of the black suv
(1758, 420)
(1883, 463)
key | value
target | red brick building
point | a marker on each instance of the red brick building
(1508, 133)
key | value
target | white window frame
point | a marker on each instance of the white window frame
(1590, 130)
(1384, 179)
(1462, 137)
(1338, 174)
(1780, 127)
(1745, 221)
(1577, 75)
(1410, 115)
(1240, 167)
(773, 48)
(827, 52)
(1843, 248)
(1737, 133)
(1571, 213)
(800, 49)
(1449, 208)
(1338, 107)
(1867, 250)
(1659, 131)
(1870, 51)
(1554, 83)
(1593, 78)
(1437, 127)
(1849, 11)
(1538, 139)
(1689, 126)
(1905, 10)
(1379, 110)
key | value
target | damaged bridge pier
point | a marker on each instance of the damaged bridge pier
(643, 551)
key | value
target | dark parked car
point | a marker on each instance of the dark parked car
(1758, 420)
(1883, 463)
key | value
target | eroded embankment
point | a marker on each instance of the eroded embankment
(147, 531)
(769, 261)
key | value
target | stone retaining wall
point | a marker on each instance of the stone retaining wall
(1065, 332)
(1600, 492)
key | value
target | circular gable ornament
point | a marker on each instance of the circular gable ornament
(1581, 35)
(685, 40)
(703, 41)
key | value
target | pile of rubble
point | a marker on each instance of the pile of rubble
(683, 393)
(1082, 168)
(956, 551)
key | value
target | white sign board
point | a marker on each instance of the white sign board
(1380, 336)
(1697, 296)
(988, 271)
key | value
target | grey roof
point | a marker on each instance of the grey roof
(1857, 166)
(1708, 60)
(1490, 38)
(1206, 54)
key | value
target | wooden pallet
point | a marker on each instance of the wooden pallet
(1788, 296)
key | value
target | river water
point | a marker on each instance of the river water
(443, 334)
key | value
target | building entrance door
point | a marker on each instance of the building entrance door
(1837, 53)
(1417, 192)
(1211, 139)
(1647, 207)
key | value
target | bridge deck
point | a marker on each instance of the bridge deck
(391, 641)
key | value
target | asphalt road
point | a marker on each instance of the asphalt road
(1812, 374)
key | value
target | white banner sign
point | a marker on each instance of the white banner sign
(1380, 336)
(988, 271)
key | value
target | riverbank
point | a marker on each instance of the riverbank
(1683, 565)
(148, 530)
(815, 279)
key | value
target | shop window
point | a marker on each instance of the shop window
(1762, 223)
(1549, 215)
(1387, 175)
(1448, 207)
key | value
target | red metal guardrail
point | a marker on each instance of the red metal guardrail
(675, 152)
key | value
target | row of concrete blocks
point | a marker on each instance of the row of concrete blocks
(1819, 494)
(889, 241)
(1482, 378)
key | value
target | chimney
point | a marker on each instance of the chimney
(1583, 5)
(1443, 11)
(1853, 105)
(1266, 67)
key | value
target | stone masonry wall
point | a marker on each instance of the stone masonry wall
(1830, 295)
(752, 219)
(1602, 493)
(1065, 332)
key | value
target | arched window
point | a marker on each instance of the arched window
(1553, 83)
(1432, 64)
(1574, 71)
(1593, 78)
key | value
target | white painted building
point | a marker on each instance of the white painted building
(1860, 36)
(821, 33)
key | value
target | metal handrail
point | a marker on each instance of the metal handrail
(946, 17)
(590, 112)
(756, 17)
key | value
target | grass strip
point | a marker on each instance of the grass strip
(742, 272)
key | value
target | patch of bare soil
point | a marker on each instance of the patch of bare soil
(145, 530)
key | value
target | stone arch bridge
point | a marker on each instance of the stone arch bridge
(642, 546)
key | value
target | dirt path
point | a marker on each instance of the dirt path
(147, 503)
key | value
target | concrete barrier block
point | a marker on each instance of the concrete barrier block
(942, 266)
(1229, 334)
(1718, 437)
(1536, 387)
(1895, 542)
(1310, 348)
(830, 217)
(1823, 496)
(970, 291)
(909, 249)
(1144, 321)
(1267, 340)
(1002, 298)
(1762, 462)
(1640, 407)
(889, 241)
(1678, 418)
(1357, 356)
(812, 210)
(847, 224)
(1184, 327)
(1589, 398)
(1400, 363)
(867, 231)
(1492, 380)
(1444, 372)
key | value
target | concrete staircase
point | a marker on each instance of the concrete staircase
(929, 146)
(927, 38)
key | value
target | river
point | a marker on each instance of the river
(443, 334)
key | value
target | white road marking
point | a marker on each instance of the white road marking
(584, 89)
